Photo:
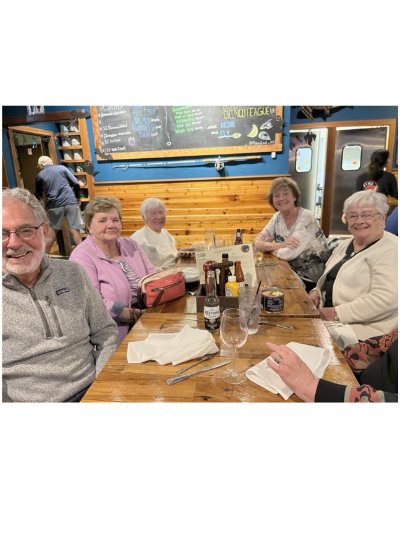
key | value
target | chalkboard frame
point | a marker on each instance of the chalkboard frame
(184, 152)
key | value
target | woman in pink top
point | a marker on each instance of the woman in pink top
(115, 264)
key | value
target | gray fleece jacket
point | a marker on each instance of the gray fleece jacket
(57, 336)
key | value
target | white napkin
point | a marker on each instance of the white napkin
(343, 334)
(317, 359)
(174, 348)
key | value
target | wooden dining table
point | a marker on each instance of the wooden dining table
(272, 272)
(121, 381)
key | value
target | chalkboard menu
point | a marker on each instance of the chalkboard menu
(136, 132)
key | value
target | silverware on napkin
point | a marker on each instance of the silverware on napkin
(274, 324)
(204, 358)
(172, 381)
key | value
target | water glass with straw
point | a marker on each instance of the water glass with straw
(250, 303)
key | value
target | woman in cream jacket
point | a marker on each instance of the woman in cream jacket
(357, 293)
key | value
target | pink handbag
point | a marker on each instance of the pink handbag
(156, 289)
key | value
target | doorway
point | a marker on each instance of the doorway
(348, 146)
(27, 145)
(307, 161)
(353, 150)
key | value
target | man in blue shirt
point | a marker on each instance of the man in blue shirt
(54, 183)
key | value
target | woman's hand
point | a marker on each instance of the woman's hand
(130, 315)
(291, 242)
(126, 315)
(315, 298)
(293, 371)
(327, 313)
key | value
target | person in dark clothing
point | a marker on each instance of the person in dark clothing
(378, 382)
(54, 183)
(376, 177)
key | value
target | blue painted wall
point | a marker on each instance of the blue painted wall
(266, 166)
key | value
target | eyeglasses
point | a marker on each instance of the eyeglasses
(25, 233)
(352, 217)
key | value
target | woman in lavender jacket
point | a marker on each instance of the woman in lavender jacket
(115, 264)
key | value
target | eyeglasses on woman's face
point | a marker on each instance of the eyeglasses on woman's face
(25, 233)
(365, 215)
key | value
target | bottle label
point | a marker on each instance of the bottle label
(212, 318)
(212, 313)
(232, 290)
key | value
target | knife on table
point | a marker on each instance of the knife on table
(172, 381)
(204, 358)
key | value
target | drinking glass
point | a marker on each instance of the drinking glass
(233, 332)
(209, 237)
(258, 255)
(250, 304)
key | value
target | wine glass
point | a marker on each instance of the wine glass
(233, 332)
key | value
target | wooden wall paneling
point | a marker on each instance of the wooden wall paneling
(192, 206)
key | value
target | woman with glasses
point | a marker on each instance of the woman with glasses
(357, 293)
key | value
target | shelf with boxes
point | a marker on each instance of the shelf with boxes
(73, 146)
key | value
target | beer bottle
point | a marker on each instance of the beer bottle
(211, 304)
(239, 237)
(239, 273)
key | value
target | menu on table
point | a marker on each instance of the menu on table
(240, 252)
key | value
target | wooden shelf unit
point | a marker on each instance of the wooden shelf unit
(83, 147)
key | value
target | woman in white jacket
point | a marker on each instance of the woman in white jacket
(357, 293)
(155, 240)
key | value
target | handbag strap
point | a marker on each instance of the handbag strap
(159, 296)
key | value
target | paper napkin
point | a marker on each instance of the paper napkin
(317, 359)
(175, 348)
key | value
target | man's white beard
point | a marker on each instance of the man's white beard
(18, 270)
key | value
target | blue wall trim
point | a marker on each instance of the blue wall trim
(266, 166)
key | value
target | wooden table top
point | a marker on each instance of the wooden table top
(121, 381)
(272, 272)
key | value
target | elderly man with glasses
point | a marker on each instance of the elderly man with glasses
(57, 333)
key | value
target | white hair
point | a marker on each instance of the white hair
(367, 199)
(44, 161)
(150, 203)
(23, 195)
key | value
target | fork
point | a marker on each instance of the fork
(262, 321)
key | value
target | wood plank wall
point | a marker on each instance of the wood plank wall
(194, 206)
